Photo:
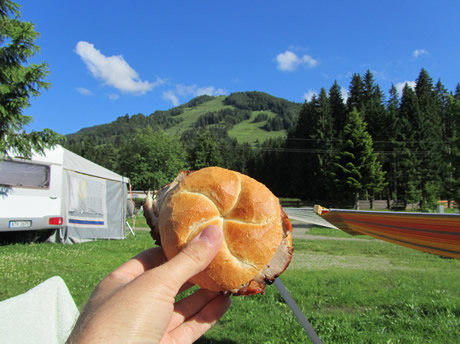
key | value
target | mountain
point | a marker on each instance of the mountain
(245, 116)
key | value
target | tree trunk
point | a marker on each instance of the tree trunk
(356, 206)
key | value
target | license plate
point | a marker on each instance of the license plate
(19, 224)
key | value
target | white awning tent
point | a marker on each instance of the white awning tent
(91, 199)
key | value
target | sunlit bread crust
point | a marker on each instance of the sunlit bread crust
(253, 222)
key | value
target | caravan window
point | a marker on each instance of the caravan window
(21, 174)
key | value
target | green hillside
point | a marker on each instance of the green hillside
(192, 112)
(245, 116)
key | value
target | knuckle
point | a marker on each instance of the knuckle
(194, 254)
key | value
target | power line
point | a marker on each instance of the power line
(339, 140)
(330, 151)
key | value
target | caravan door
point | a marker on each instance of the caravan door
(30, 195)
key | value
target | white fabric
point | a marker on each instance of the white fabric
(307, 215)
(74, 162)
(71, 161)
(44, 314)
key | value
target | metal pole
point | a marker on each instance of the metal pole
(297, 312)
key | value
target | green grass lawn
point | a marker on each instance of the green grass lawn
(365, 291)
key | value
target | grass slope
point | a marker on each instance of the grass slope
(352, 291)
(191, 114)
(245, 132)
(250, 132)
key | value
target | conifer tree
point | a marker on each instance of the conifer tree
(373, 109)
(448, 131)
(324, 136)
(356, 93)
(269, 166)
(19, 81)
(301, 147)
(429, 139)
(357, 169)
(338, 108)
(407, 162)
(391, 146)
(454, 144)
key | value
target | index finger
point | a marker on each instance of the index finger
(127, 272)
(144, 261)
(133, 268)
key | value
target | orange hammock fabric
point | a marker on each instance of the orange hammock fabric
(434, 233)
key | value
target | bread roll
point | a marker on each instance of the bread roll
(257, 244)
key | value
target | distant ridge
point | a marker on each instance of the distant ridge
(246, 116)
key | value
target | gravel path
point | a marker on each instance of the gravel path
(300, 231)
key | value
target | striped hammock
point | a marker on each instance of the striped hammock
(429, 232)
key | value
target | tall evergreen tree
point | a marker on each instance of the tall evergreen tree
(324, 139)
(356, 93)
(390, 146)
(301, 148)
(429, 139)
(453, 180)
(373, 109)
(19, 81)
(448, 130)
(357, 169)
(338, 108)
(407, 163)
(271, 165)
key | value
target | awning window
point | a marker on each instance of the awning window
(22, 174)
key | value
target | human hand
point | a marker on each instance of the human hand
(136, 302)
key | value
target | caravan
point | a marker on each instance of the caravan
(61, 192)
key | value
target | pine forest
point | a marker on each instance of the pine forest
(335, 151)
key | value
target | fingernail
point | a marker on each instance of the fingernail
(211, 234)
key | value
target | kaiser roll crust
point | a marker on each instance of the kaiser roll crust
(248, 212)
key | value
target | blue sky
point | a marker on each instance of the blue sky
(111, 58)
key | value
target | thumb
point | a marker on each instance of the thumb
(194, 257)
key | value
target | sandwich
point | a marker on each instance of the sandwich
(257, 244)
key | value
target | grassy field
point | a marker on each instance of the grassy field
(352, 291)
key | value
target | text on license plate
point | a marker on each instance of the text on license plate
(19, 224)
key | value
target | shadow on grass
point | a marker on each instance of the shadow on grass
(24, 237)
(204, 340)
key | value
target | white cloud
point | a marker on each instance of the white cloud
(344, 93)
(211, 91)
(113, 96)
(191, 90)
(289, 61)
(184, 90)
(400, 86)
(84, 91)
(113, 70)
(194, 90)
(418, 52)
(309, 95)
(171, 96)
